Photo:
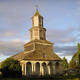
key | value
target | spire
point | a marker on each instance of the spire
(37, 12)
(37, 31)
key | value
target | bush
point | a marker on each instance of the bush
(11, 68)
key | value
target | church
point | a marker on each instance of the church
(38, 57)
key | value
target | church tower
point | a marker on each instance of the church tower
(37, 32)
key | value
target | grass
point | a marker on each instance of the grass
(66, 77)
(32, 78)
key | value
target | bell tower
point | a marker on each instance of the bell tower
(37, 19)
(37, 31)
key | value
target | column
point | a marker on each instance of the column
(48, 69)
(25, 69)
(41, 69)
(32, 68)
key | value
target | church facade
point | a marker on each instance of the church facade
(38, 57)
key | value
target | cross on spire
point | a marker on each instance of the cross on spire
(37, 12)
(36, 6)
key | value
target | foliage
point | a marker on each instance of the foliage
(78, 48)
(75, 61)
(78, 55)
(72, 64)
(11, 68)
(0, 66)
(65, 63)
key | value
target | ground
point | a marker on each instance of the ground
(69, 77)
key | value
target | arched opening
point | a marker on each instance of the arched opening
(28, 69)
(37, 68)
(57, 67)
(45, 70)
(51, 68)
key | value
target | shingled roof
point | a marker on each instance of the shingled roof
(35, 56)
(39, 56)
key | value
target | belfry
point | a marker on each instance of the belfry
(38, 57)
(37, 31)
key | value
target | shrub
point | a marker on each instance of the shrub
(11, 68)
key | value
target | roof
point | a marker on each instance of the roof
(39, 56)
(41, 41)
(37, 13)
(18, 56)
(35, 56)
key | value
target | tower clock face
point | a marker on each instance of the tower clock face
(36, 22)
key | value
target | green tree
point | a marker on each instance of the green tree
(65, 63)
(78, 55)
(11, 68)
(72, 64)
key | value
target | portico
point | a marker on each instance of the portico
(40, 68)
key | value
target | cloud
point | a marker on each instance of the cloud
(8, 48)
(63, 36)
(2, 57)
(65, 50)
(15, 21)
(7, 34)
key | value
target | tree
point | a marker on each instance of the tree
(78, 55)
(72, 64)
(75, 61)
(11, 68)
(65, 63)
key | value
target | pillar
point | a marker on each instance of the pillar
(32, 68)
(48, 69)
(41, 69)
(25, 69)
(34, 65)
